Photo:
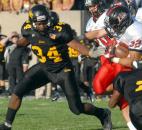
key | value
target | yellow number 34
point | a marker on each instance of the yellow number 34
(51, 54)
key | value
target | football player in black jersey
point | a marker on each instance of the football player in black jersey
(50, 44)
(129, 84)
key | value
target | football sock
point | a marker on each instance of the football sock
(131, 126)
(10, 116)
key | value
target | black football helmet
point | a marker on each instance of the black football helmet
(118, 18)
(54, 18)
(39, 13)
(131, 4)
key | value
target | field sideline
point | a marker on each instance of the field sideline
(44, 114)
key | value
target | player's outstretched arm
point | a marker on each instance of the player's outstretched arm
(84, 50)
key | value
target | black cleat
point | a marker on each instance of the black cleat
(4, 127)
(106, 120)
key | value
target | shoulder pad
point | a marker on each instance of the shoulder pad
(26, 28)
(62, 32)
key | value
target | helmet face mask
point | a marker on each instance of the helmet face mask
(117, 20)
(39, 15)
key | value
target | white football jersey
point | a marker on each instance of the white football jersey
(100, 21)
(133, 36)
(90, 25)
(99, 24)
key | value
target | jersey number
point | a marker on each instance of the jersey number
(139, 88)
(135, 44)
(51, 54)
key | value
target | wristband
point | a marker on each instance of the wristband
(115, 59)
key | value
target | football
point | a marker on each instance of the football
(121, 50)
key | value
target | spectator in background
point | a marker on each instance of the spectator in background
(78, 5)
(62, 4)
(16, 5)
(2, 65)
(26, 5)
(0, 5)
(5, 5)
(48, 3)
(16, 61)
(0, 29)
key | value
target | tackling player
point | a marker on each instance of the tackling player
(50, 44)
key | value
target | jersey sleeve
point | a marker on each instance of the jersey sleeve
(119, 83)
(25, 29)
(62, 33)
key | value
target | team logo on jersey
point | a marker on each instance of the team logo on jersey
(139, 88)
(41, 41)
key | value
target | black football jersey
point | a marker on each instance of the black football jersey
(130, 85)
(51, 46)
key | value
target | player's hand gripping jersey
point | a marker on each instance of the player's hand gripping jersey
(51, 47)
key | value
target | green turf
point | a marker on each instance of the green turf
(46, 115)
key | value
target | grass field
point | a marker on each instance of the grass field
(43, 114)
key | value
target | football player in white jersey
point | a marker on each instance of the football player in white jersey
(128, 30)
(120, 22)
(100, 31)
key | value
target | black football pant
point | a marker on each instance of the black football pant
(15, 75)
(38, 76)
(89, 70)
(136, 114)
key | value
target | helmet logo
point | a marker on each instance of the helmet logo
(30, 14)
(121, 16)
(41, 18)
